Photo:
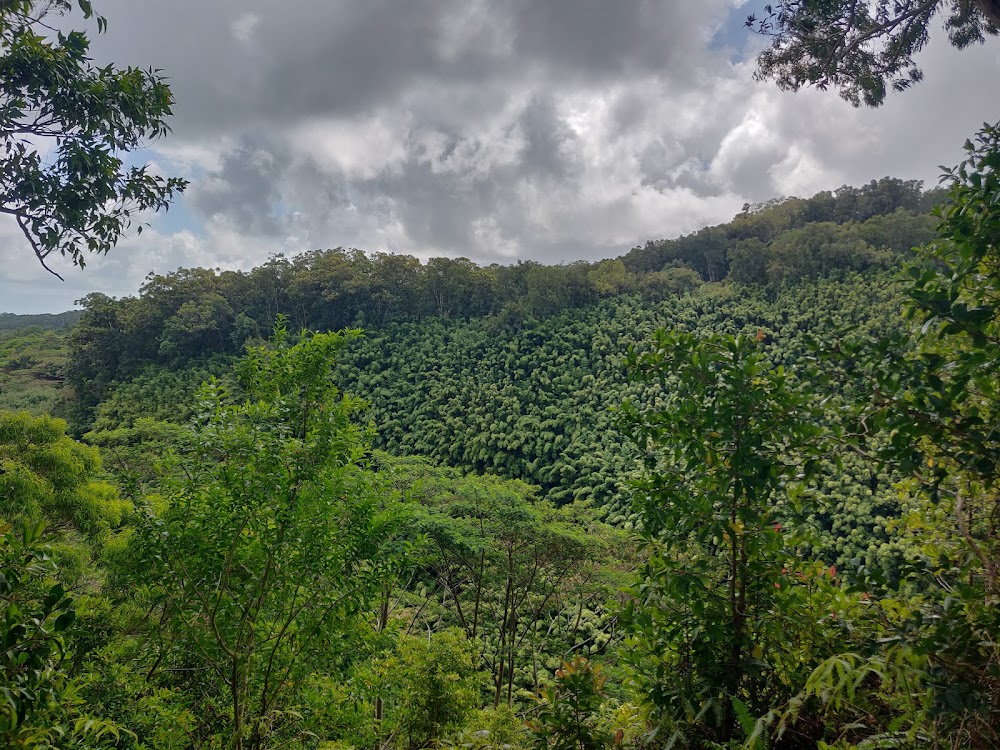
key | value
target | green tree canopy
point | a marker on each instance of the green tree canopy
(47, 476)
(271, 541)
(81, 197)
(713, 613)
(862, 48)
(40, 702)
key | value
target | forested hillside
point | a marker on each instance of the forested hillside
(32, 369)
(487, 500)
(45, 321)
(518, 371)
(192, 314)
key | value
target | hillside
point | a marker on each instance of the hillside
(499, 459)
(735, 487)
(193, 314)
(32, 368)
(44, 321)
(518, 371)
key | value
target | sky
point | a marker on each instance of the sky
(497, 130)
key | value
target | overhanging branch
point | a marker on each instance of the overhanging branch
(39, 252)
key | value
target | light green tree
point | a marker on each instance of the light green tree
(47, 476)
(272, 539)
(435, 687)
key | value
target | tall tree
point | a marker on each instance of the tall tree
(862, 48)
(719, 456)
(81, 197)
(504, 563)
(929, 403)
(274, 539)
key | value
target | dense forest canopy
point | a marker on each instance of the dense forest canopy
(192, 312)
(501, 504)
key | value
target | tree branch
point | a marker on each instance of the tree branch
(990, 9)
(39, 252)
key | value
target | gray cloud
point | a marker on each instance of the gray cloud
(494, 129)
(243, 190)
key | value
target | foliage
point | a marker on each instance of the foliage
(272, 539)
(435, 687)
(567, 716)
(82, 198)
(522, 580)
(262, 598)
(47, 476)
(137, 456)
(45, 321)
(182, 317)
(490, 728)
(532, 401)
(933, 397)
(862, 49)
(32, 369)
(41, 707)
(720, 453)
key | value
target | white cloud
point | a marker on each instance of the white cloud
(244, 27)
(495, 130)
(355, 149)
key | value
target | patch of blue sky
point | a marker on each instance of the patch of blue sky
(732, 36)
(179, 217)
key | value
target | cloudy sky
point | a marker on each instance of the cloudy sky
(553, 130)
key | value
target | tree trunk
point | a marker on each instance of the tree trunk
(511, 655)
(502, 648)
(234, 685)
(383, 620)
(479, 592)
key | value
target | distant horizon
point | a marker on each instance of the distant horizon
(36, 315)
(510, 262)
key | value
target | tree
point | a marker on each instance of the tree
(81, 197)
(41, 706)
(321, 289)
(435, 686)
(610, 277)
(748, 263)
(46, 476)
(457, 287)
(566, 717)
(861, 48)
(390, 289)
(504, 563)
(670, 282)
(719, 455)
(273, 539)
(928, 403)
(199, 326)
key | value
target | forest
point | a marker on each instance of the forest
(734, 489)
(664, 500)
